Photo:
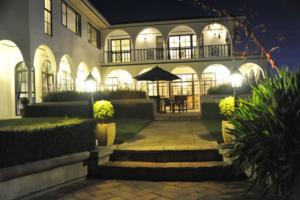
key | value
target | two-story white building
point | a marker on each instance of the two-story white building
(52, 45)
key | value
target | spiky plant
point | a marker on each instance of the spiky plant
(267, 132)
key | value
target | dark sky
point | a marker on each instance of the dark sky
(280, 17)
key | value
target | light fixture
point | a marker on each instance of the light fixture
(236, 78)
(90, 83)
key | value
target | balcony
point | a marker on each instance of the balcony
(163, 54)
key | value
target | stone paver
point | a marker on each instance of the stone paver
(140, 190)
(171, 135)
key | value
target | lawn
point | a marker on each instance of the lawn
(215, 129)
(128, 128)
(36, 123)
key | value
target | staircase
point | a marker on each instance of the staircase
(167, 165)
(183, 116)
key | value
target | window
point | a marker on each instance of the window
(21, 85)
(48, 17)
(112, 83)
(47, 78)
(120, 50)
(65, 81)
(182, 46)
(70, 18)
(94, 36)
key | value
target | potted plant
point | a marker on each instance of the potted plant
(105, 132)
(226, 106)
(25, 102)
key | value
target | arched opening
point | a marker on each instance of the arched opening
(216, 41)
(214, 75)
(118, 47)
(96, 75)
(252, 72)
(118, 79)
(64, 76)
(82, 73)
(187, 86)
(10, 57)
(45, 70)
(182, 43)
(21, 85)
(149, 45)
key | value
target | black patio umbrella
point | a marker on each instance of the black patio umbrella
(157, 74)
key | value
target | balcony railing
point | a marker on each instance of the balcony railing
(160, 54)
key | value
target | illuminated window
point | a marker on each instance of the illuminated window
(94, 36)
(65, 81)
(182, 46)
(112, 83)
(70, 18)
(48, 17)
(120, 50)
(47, 78)
(21, 85)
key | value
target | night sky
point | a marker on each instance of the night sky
(281, 18)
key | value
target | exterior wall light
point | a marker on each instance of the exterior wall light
(90, 83)
(236, 78)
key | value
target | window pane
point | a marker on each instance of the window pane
(71, 20)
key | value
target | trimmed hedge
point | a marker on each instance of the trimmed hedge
(22, 146)
(129, 109)
(228, 90)
(84, 96)
(210, 111)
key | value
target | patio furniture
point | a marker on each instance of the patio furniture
(166, 102)
(181, 103)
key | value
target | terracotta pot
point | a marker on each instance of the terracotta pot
(106, 133)
(228, 138)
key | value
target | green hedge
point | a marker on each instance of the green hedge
(84, 96)
(22, 146)
(227, 89)
(81, 109)
(210, 111)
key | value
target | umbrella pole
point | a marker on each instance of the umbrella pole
(158, 97)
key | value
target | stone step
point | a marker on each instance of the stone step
(195, 155)
(178, 116)
(171, 171)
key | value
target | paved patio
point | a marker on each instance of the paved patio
(140, 190)
(171, 135)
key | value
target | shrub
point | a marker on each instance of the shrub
(226, 107)
(19, 146)
(103, 110)
(267, 132)
(24, 101)
(227, 89)
(84, 96)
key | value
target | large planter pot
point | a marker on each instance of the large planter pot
(228, 138)
(106, 133)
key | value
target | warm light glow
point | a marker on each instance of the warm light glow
(90, 85)
(220, 72)
(82, 73)
(119, 77)
(236, 80)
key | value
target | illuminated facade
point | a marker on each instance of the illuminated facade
(53, 45)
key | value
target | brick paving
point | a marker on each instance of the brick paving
(141, 190)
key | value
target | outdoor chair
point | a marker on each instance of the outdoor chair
(181, 103)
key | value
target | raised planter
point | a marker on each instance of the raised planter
(106, 133)
(227, 137)
(31, 178)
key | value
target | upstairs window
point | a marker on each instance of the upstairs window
(120, 50)
(94, 36)
(70, 18)
(48, 17)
